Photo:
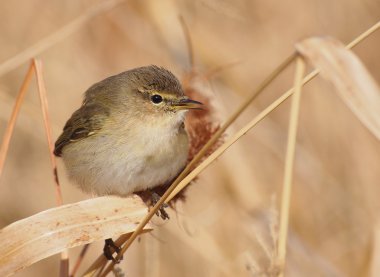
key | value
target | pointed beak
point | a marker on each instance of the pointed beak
(188, 104)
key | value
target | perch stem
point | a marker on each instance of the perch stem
(64, 262)
(12, 121)
(45, 114)
(289, 163)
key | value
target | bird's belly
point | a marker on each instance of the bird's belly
(124, 168)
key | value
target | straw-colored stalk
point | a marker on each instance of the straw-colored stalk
(289, 163)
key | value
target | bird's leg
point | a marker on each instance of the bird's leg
(161, 211)
(109, 248)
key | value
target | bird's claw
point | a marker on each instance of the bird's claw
(161, 211)
(109, 249)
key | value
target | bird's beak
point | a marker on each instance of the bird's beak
(188, 104)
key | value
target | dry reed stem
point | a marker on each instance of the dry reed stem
(64, 262)
(289, 163)
(200, 155)
(45, 114)
(363, 35)
(57, 36)
(12, 121)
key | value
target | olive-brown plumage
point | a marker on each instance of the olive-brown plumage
(128, 135)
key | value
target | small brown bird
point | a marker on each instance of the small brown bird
(129, 133)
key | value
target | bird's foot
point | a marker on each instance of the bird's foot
(109, 249)
(161, 211)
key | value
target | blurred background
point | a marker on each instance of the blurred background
(228, 224)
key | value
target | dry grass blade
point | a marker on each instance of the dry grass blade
(45, 114)
(13, 118)
(289, 162)
(57, 36)
(353, 82)
(49, 232)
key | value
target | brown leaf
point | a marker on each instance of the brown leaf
(352, 80)
(49, 232)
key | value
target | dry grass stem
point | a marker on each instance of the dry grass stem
(45, 114)
(364, 35)
(64, 262)
(57, 36)
(289, 162)
(12, 121)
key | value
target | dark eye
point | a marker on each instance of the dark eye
(156, 99)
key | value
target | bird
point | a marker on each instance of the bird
(129, 134)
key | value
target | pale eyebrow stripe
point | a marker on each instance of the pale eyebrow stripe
(165, 95)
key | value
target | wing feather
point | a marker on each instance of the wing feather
(84, 122)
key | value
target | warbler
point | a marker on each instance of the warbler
(129, 133)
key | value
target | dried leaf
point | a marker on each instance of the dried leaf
(49, 232)
(354, 83)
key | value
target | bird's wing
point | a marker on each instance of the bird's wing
(85, 122)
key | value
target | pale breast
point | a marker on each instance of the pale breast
(114, 163)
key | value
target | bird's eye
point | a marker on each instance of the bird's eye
(156, 98)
